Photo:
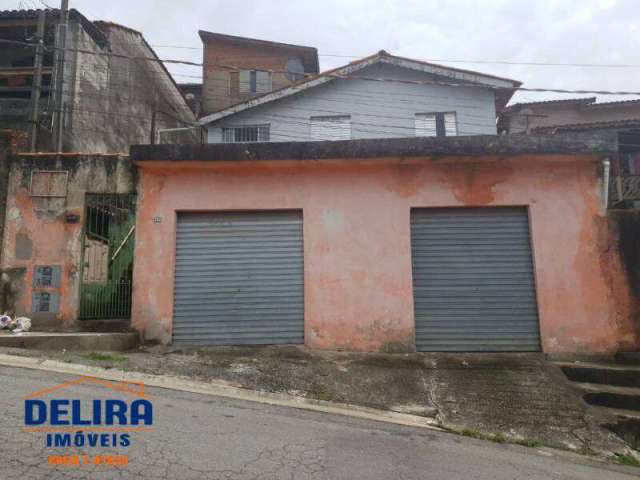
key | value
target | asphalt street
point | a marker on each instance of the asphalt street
(204, 437)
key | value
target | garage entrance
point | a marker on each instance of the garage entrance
(239, 279)
(473, 281)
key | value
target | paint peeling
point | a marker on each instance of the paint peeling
(357, 253)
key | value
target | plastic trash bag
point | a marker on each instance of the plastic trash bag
(23, 324)
(5, 321)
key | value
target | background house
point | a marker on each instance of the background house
(569, 115)
(239, 68)
(106, 101)
(587, 115)
(348, 103)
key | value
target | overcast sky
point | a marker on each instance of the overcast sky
(546, 31)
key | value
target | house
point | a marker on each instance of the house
(584, 115)
(380, 96)
(569, 115)
(467, 243)
(108, 98)
(238, 68)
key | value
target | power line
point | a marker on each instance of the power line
(446, 60)
(334, 74)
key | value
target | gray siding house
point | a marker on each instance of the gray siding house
(380, 96)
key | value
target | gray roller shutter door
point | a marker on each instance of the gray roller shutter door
(239, 279)
(473, 280)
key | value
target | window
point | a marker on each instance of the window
(437, 124)
(331, 128)
(46, 183)
(246, 133)
(247, 82)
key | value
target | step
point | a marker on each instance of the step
(628, 358)
(79, 341)
(620, 413)
(624, 398)
(601, 373)
(626, 425)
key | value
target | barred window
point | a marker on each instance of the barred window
(245, 133)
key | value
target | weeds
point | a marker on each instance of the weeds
(104, 357)
(500, 438)
(626, 459)
(320, 392)
(492, 437)
(529, 442)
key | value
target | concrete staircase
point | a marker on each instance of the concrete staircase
(613, 387)
(86, 335)
(78, 341)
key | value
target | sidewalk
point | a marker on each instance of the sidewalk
(505, 397)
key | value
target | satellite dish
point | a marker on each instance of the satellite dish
(294, 70)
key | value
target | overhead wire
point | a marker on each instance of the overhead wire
(335, 74)
(447, 60)
(304, 121)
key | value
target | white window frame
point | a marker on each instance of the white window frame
(62, 177)
(331, 127)
(246, 86)
(426, 124)
(450, 124)
(240, 133)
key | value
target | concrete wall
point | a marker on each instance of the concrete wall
(624, 238)
(116, 102)
(6, 142)
(377, 109)
(110, 102)
(37, 231)
(357, 250)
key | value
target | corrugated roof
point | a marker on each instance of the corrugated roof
(615, 103)
(586, 102)
(563, 101)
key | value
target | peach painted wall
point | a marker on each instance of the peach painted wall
(37, 233)
(357, 251)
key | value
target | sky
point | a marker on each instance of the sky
(486, 31)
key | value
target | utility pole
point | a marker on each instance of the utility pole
(61, 45)
(36, 82)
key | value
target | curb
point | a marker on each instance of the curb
(221, 389)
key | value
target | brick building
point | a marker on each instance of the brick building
(237, 68)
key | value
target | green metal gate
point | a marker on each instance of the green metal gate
(107, 257)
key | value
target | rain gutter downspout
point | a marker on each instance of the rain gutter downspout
(606, 169)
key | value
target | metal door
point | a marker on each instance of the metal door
(473, 280)
(239, 279)
(108, 248)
